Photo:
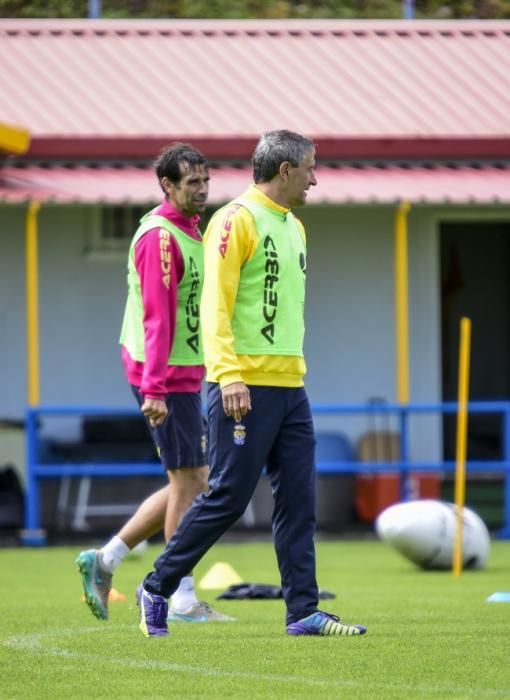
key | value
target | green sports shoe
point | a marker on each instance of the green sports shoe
(199, 612)
(96, 580)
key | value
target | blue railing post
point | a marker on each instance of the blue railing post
(405, 483)
(504, 533)
(32, 535)
(32, 506)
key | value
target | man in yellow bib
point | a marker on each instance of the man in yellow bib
(252, 315)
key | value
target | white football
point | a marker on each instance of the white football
(424, 532)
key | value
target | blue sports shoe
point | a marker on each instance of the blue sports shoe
(152, 613)
(96, 580)
(325, 625)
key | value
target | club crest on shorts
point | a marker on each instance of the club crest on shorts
(239, 434)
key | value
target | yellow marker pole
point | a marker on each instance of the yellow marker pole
(461, 448)
(32, 290)
(401, 303)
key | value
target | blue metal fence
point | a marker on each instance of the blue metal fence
(36, 470)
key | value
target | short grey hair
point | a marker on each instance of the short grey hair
(276, 147)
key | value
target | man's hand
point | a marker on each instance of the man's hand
(155, 410)
(236, 400)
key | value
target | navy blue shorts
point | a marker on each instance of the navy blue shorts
(182, 439)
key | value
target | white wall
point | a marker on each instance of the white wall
(81, 306)
(350, 344)
(349, 312)
(81, 303)
(12, 312)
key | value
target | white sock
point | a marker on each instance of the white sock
(113, 553)
(184, 597)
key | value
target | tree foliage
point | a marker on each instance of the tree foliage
(256, 9)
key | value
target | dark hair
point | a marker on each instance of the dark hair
(276, 147)
(168, 163)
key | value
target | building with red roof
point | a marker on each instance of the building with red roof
(103, 92)
(401, 111)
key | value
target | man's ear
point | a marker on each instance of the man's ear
(167, 185)
(284, 170)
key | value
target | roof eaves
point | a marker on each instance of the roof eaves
(233, 146)
(226, 27)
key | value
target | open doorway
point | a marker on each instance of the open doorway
(475, 282)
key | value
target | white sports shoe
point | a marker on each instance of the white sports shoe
(198, 612)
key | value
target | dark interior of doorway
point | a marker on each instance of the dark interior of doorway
(475, 282)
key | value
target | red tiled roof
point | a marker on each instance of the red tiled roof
(230, 79)
(489, 184)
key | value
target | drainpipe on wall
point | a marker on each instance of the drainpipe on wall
(402, 303)
(32, 292)
(408, 9)
(94, 9)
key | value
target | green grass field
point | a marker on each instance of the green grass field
(430, 635)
